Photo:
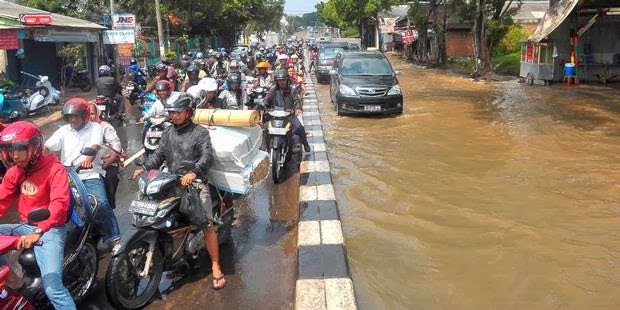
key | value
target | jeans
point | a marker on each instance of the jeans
(50, 257)
(105, 220)
(111, 184)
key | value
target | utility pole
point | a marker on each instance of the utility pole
(114, 53)
(160, 31)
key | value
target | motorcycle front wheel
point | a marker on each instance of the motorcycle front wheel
(80, 276)
(276, 167)
(126, 289)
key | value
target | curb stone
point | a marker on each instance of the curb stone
(323, 277)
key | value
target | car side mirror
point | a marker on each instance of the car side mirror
(38, 215)
(89, 151)
(333, 72)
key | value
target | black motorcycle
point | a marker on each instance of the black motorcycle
(109, 109)
(134, 89)
(78, 79)
(161, 238)
(81, 261)
(257, 97)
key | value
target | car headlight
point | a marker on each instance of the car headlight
(346, 91)
(395, 90)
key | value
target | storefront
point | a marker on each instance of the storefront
(31, 41)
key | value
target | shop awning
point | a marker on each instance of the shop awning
(552, 19)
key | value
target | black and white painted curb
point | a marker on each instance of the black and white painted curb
(323, 279)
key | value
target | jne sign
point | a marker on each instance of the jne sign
(123, 21)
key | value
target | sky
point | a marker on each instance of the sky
(295, 7)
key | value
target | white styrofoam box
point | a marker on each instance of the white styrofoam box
(234, 147)
(242, 182)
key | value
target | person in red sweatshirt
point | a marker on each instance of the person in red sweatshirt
(36, 180)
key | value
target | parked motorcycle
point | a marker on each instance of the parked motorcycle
(81, 261)
(42, 95)
(160, 239)
(78, 79)
(11, 106)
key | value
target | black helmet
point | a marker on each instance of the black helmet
(184, 100)
(234, 78)
(133, 61)
(163, 85)
(193, 67)
(281, 74)
(161, 67)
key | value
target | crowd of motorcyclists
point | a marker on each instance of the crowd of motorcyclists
(214, 79)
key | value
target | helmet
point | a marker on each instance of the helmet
(200, 55)
(281, 74)
(208, 84)
(234, 78)
(161, 67)
(193, 67)
(184, 100)
(21, 136)
(164, 85)
(199, 94)
(270, 56)
(133, 61)
(262, 65)
(104, 70)
(233, 63)
(294, 56)
(282, 56)
(76, 106)
(258, 55)
(243, 55)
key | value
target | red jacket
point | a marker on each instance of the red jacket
(45, 184)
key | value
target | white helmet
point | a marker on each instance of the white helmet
(294, 56)
(283, 56)
(199, 94)
(200, 55)
(208, 84)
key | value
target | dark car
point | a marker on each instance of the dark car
(365, 83)
(326, 59)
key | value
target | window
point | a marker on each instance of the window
(365, 66)
(330, 52)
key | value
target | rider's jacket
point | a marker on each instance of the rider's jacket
(282, 98)
(107, 86)
(44, 185)
(187, 142)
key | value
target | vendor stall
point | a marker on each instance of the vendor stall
(537, 62)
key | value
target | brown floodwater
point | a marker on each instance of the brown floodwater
(481, 195)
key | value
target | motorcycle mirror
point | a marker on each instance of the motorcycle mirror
(89, 151)
(38, 215)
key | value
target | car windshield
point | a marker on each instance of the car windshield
(365, 66)
(330, 52)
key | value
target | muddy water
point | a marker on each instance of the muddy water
(481, 195)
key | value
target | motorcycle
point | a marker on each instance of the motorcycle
(77, 79)
(11, 106)
(42, 95)
(134, 89)
(161, 238)
(153, 132)
(257, 96)
(81, 261)
(109, 110)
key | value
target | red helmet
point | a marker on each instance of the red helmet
(76, 106)
(21, 136)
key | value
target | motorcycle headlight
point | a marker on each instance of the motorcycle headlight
(395, 90)
(347, 91)
(141, 184)
(277, 123)
(153, 187)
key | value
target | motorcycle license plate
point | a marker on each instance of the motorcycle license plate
(143, 207)
(129, 88)
(154, 134)
(372, 108)
(278, 131)
(101, 107)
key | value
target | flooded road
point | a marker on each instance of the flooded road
(480, 195)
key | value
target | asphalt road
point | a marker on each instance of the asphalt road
(260, 263)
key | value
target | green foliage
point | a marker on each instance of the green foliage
(508, 64)
(351, 32)
(511, 42)
(465, 64)
(170, 54)
(342, 13)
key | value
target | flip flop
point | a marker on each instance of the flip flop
(217, 279)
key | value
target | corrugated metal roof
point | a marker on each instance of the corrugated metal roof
(553, 18)
(12, 11)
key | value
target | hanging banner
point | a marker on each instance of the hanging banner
(8, 39)
(123, 21)
(119, 36)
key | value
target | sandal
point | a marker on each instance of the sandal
(217, 280)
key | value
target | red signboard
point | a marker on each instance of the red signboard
(8, 39)
(35, 19)
(409, 36)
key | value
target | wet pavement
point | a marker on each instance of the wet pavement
(481, 195)
(260, 264)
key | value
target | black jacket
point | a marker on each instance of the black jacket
(107, 86)
(188, 142)
(286, 99)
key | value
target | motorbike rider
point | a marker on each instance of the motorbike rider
(234, 97)
(107, 86)
(282, 61)
(263, 78)
(247, 62)
(69, 140)
(221, 66)
(183, 141)
(283, 95)
(138, 73)
(297, 64)
(162, 74)
(36, 180)
(210, 86)
(111, 154)
(194, 74)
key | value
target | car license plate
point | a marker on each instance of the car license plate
(101, 107)
(278, 131)
(372, 108)
(143, 207)
(154, 134)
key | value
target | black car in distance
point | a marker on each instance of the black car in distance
(326, 58)
(365, 83)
